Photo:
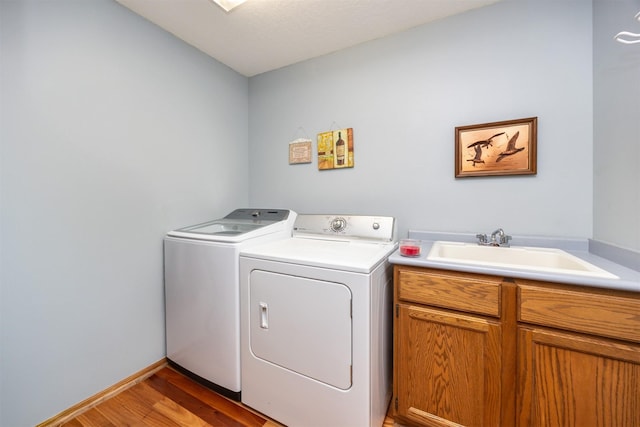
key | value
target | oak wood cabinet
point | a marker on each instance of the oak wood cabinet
(578, 356)
(451, 363)
(476, 350)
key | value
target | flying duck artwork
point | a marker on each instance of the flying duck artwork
(479, 145)
(511, 147)
(478, 157)
(499, 148)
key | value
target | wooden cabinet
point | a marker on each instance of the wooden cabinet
(586, 370)
(476, 350)
(450, 365)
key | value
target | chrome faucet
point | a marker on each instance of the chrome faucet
(504, 239)
(498, 238)
(482, 239)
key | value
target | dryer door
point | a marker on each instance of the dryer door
(302, 325)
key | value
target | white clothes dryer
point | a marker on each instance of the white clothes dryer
(202, 296)
(316, 322)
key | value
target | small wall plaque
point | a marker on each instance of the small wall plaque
(300, 151)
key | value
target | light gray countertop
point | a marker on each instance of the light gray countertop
(629, 279)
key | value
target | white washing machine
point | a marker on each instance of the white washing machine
(316, 319)
(202, 304)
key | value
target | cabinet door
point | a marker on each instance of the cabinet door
(447, 368)
(575, 380)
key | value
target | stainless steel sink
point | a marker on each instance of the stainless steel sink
(549, 260)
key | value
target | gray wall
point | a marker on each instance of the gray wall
(113, 132)
(404, 95)
(616, 185)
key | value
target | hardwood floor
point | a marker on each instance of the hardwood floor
(168, 398)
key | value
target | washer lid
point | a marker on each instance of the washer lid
(239, 225)
(222, 228)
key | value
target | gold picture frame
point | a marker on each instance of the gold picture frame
(498, 148)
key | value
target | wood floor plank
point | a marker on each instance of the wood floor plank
(178, 414)
(113, 411)
(145, 408)
(143, 393)
(128, 400)
(192, 403)
(73, 423)
(222, 404)
(90, 418)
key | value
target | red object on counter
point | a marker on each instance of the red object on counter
(410, 250)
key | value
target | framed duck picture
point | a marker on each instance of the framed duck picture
(498, 148)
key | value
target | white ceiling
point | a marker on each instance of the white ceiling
(263, 35)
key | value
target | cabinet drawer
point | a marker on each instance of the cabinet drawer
(457, 291)
(592, 311)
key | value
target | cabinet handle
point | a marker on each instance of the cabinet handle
(264, 315)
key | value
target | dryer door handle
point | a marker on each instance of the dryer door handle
(264, 315)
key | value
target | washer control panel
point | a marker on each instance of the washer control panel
(350, 227)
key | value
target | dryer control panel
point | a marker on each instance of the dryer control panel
(348, 227)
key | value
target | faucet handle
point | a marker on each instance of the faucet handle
(482, 239)
(504, 240)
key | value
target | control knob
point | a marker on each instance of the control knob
(338, 224)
